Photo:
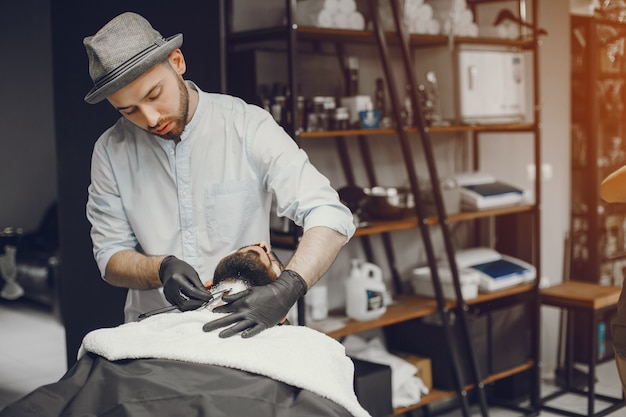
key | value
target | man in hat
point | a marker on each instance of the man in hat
(185, 177)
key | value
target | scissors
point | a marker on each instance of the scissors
(214, 294)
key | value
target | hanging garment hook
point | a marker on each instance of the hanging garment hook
(506, 14)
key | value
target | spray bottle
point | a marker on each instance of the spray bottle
(365, 291)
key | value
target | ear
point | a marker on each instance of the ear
(177, 61)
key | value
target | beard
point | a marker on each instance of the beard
(180, 118)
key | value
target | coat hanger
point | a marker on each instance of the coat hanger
(506, 14)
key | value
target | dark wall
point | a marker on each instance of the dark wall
(86, 301)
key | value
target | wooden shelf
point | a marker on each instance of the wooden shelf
(375, 227)
(433, 396)
(453, 128)
(416, 40)
(407, 307)
(410, 307)
(310, 33)
(382, 226)
(436, 395)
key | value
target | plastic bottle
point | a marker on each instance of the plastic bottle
(365, 291)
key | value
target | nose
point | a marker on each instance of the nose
(150, 115)
(263, 245)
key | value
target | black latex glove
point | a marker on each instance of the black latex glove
(259, 308)
(181, 284)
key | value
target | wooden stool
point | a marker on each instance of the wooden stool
(592, 300)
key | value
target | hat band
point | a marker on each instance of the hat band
(129, 64)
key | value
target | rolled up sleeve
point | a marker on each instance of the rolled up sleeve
(303, 194)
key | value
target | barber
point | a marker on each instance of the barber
(185, 177)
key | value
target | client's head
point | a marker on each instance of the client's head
(253, 265)
(249, 266)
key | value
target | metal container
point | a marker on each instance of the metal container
(386, 203)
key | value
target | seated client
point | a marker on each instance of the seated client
(183, 370)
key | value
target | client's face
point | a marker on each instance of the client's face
(254, 264)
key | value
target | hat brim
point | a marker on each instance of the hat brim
(135, 70)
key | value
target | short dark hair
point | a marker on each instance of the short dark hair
(245, 266)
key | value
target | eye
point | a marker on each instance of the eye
(155, 95)
(130, 112)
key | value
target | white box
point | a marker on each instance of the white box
(491, 86)
(422, 282)
(482, 191)
(476, 84)
(355, 105)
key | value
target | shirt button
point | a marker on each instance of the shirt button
(172, 151)
(188, 234)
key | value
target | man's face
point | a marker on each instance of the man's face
(254, 263)
(158, 101)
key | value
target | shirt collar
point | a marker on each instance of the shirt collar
(199, 110)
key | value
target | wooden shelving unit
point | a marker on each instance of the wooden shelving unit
(410, 307)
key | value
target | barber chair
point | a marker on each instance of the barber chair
(29, 262)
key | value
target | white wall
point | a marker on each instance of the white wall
(555, 116)
(27, 156)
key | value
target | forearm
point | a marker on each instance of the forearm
(316, 251)
(613, 187)
(131, 269)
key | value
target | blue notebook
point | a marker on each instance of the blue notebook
(493, 189)
(500, 269)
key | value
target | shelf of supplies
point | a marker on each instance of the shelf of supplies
(377, 227)
(408, 307)
(310, 33)
(453, 128)
(495, 127)
(416, 40)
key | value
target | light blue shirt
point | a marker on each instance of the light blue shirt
(205, 197)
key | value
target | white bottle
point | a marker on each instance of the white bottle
(365, 290)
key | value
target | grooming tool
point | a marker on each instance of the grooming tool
(173, 307)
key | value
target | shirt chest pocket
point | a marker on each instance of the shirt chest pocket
(228, 209)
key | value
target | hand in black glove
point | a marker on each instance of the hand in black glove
(259, 308)
(181, 284)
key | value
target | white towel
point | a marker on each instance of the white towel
(406, 388)
(295, 355)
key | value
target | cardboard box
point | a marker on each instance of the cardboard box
(423, 365)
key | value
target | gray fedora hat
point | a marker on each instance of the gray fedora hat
(122, 51)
